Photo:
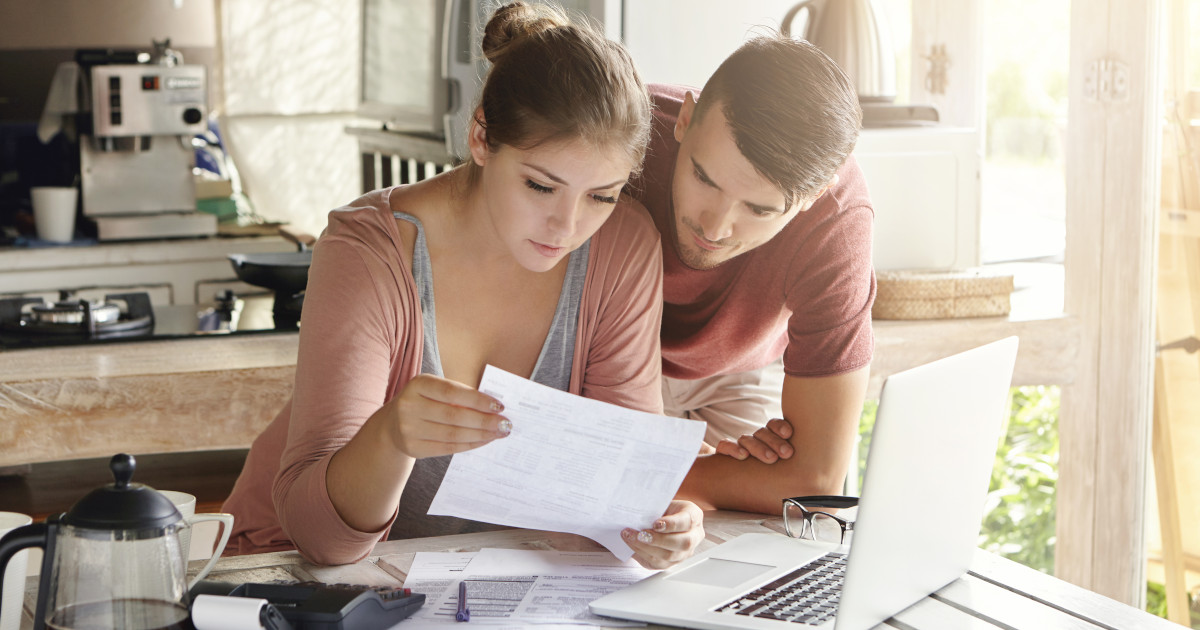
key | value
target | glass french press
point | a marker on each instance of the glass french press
(113, 561)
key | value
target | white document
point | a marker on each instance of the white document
(512, 588)
(566, 581)
(571, 464)
(436, 575)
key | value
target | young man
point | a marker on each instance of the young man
(768, 282)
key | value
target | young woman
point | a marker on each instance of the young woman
(526, 258)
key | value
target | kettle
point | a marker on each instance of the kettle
(851, 33)
(113, 561)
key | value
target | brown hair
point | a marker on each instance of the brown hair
(793, 112)
(551, 80)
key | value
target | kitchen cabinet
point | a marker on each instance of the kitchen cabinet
(925, 190)
(173, 272)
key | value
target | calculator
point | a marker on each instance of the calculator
(320, 606)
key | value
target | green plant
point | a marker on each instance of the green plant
(1156, 603)
(1156, 599)
(1021, 511)
(866, 424)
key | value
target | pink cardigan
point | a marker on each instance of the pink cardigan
(361, 340)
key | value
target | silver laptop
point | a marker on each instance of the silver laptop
(922, 501)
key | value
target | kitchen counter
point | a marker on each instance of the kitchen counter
(176, 271)
(146, 397)
(152, 251)
(219, 392)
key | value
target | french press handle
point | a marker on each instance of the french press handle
(41, 535)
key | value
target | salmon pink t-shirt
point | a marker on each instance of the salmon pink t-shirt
(806, 294)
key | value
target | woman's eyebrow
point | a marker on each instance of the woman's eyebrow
(551, 176)
(558, 180)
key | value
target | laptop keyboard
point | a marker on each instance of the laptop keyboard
(808, 595)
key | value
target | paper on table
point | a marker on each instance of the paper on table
(434, 575)
(510, 586)
(571, 465)
(567, 581)
(586, 564)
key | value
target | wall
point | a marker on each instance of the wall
(655, 28)
(37, 35)
(68, 23)
(289, 75)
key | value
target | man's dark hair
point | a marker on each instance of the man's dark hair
(793, 112)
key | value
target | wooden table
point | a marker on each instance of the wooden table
(996, 593)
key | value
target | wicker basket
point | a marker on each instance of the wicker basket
(939, 295)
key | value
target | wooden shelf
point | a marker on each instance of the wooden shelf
(1049, 338)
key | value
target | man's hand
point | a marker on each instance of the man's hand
(768, 444)
(823, 413)
(673, 538)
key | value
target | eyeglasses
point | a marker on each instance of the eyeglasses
(800, 521)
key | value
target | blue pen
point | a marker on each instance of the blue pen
(464, 613)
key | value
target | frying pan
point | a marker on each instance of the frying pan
(282, 272)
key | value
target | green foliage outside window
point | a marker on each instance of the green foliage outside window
(1021, 500)
(1156, 603)
(1020, 507)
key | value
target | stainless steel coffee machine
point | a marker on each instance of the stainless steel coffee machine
(136, 155)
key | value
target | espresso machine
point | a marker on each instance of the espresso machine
(138, 115)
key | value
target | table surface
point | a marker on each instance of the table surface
(995, 593)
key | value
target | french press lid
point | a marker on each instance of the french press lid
(123, 504)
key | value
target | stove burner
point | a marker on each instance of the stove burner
(80, 318)
(74, 312)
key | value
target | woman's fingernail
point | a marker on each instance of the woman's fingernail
(660, 526)
(497, 407)
(628, 533)
(645, 537)
(505, 426)
(743, 454)
(786, 451)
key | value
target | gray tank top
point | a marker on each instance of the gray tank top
(553, 369)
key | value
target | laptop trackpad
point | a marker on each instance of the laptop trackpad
(718, 572)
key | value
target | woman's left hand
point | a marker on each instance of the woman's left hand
(672, 539)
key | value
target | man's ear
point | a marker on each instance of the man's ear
(477, 138)
(684, 120)
(811, 200)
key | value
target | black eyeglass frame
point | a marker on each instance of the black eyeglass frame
(819, 501)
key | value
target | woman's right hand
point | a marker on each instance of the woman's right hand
(435, 416)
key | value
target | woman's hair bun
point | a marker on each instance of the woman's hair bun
(516, 20)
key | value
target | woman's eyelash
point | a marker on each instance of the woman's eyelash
(538, 187)
(546, 189)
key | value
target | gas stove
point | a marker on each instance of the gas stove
(123, 317)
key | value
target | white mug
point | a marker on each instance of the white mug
(186, 504)
(14, 577)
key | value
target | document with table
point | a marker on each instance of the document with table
(571, 464)
(510, 587)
